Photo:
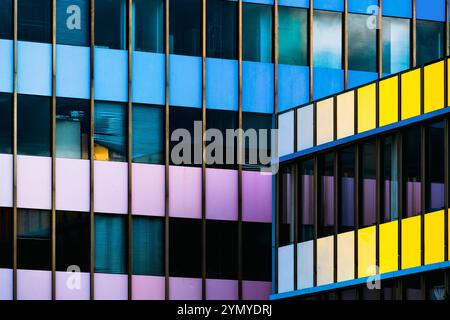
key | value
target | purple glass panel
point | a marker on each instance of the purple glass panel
(111, 187)
(221, 289)
(6, 180)
(256, 197)
(307, 200)
(71, 286)
(413, 198)
(437, 195)
(110, 286)
(34, 285)
(347, 201)
(287, 200)
(72, 185)
(369, 202)
(148, 288)
(185, 192)
(221, 194)
(6, 288)
(256, 290)
(185, 289)
(328, 201)
(148, 189)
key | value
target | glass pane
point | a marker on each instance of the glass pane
(362, 48)
(436, 286)
(34, 20)
(110, 24)
(325, 219)
(6, 17)
(367, 215)
(73, 241)
(110, 131)
(148, 246)
(221, 29)
(148, 25)
(110, 243)
(435, 167)
(6, 238)
(72, 128)
(261, 123)
(73, 22)
(346, 190)
(33, 239)
(257, 32)
(148, 134)
(185, 26)
(6, 123)
(396, 44)
(286, 224)
(306, 204)
(327, 39)
(390, 179)
(412, 288)
(34, 125)
(411, 167)
(293, 36)
(430, 41)
(256, 251)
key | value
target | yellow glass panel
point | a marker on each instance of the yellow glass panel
(411, 94)
(389, 247)
(325, 260)
(325, 120)
(411, 246)
(434, 86)
(345, 114)
(366, 252)
(434, 237)
(367, 108)
(388, 101)
(346, 256)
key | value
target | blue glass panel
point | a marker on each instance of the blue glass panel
(293, 86)
(396, 44)
(430, 9)
(361, 6)
(258, 1)
(72, 72)
(222, 84)
(327, 82)
(358, 78)
(336, 5)
(149, 78)
(6, 65)
(257, 32)
(362, 40)
(397, 8)
(185, 81)
(293, 37)
(294, 3)
(111, 75)
(257, 91)
(148, 25)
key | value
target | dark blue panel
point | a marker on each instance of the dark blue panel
(293, 86)
(222, 84)
(335, 5)
(397, 8)
(361, 6)
(6, 66)
(185, 81)
(111, 75)
(358, 78)
(257, 91)
(327, 82)
(294, 3)
(259, 1)
(72, 72)
(149, 78)
(430, 10)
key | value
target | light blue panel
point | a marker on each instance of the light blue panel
(398, 8)
(222, 84)
(431, 10)
(6, 66)
(34, 68)
(286, 133)
(327, 82)
(335, 5)
(305, 266)
(305, 128)
(294, 3)
(257, 91)
(286, 268)
(111, 75)
(361, 6)
(149, 78)
(293, 86)
(259, 1)
(72, 72)
(185, 81)
(358, 78)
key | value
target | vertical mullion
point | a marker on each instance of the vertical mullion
(357, 204)
(53, 172)
(413, 35)
(400, 184)
(345, 44)
(239, 155)
(336, 215)
(15, 16)
(167, 152)
(203, 149)
(380, 39)
(379, 201)
(446, 187)
(310, 52)
(92, 153)
(316, 205)
(130, 148)
(423, 169)
(295, 218)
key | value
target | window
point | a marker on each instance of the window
(306, 204)
(221, 249)
(148, 246)
(221, 29)
(346, 214)
(430, 41)
(362, 48)
(73, 240)
(6, 238)
(367, 214)
(73, 22)
(411, 172)
(110, 131)
(325, 219)
(33, 239)
(34, 20)
(257, 32)
(110, 24)
(185, 119)
(148, 134)
(185, 26)
(286, 224)
(412, 288)
(185, 253)
(110, 243)
(260, 122)
(327, 39)
(436, 286)
(34, 125)
(149, 25)
(256, 251)
(396, 44)
(435, 167)
(390, 179)
(293, 36)
(6, 16)
(72, 128)
(6, 123)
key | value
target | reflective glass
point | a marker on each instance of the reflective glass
(256, 251)
(325, 219)
(367, 213)
(346, 214)
(286, 223)
(185, 27)
(327, 39)
(34, 20)
(149, 25)
(293, 36)
(6, 238)
(435, 167)
(257, 32)
(73, 22)
(411, 172)
(6, 18)
(430, 41)
(390, 179)
(306, 204)
(362, 44)
(396, 44)
(111, 24)
(6, 123)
